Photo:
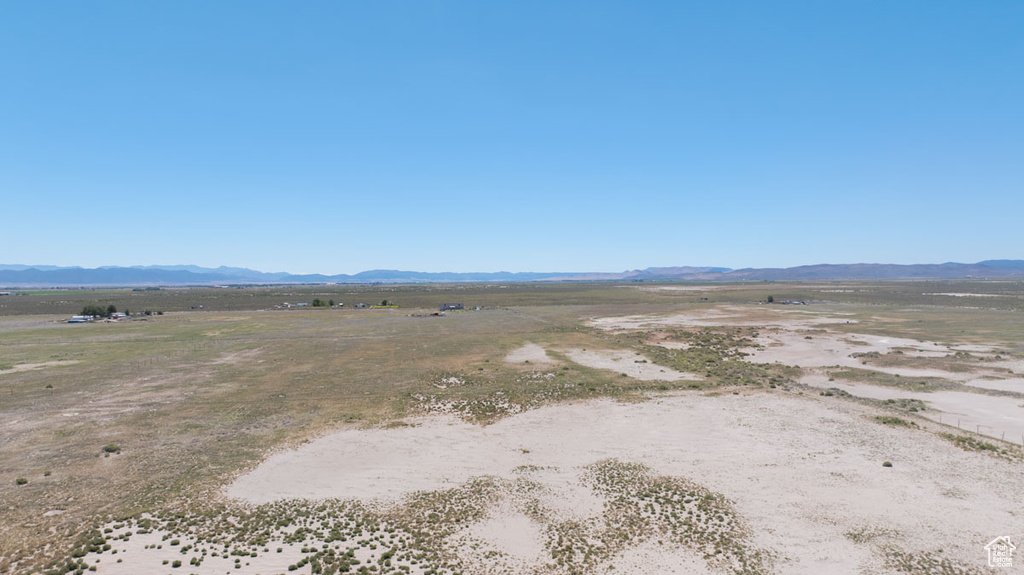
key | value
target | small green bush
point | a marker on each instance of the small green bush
(111, 448)
(894, 421)
(20, 481)
(886, 464)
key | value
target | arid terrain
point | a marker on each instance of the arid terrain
(559, 429)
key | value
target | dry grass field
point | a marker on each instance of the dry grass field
(565, 428)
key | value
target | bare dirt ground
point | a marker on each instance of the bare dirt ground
(811, 340)
(1012, 384)
(626, 362)
(530, 353)
(805, 474)
(715, 316)
(795, 346)
(33, 366)
(996, 416)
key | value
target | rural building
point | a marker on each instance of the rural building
(450, 306)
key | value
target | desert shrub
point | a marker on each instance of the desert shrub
(895, 421)
(968, 443)
(886, 464)
(20, 481)
(111, 448)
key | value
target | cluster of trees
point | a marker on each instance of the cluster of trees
(322, 303)
(97, 310)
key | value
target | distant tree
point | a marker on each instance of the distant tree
(771, 299)
(111, 310)
(127, 312)
(316, 303)
(331, 303)
(384, 302)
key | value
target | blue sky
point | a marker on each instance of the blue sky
(336, 137)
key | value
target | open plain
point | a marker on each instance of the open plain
(865, 427)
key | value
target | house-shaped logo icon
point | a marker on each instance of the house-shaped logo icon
(1000, 552)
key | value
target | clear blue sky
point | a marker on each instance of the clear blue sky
(341, 136)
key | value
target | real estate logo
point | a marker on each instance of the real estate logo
(1000, 552)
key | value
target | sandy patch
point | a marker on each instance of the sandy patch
(630, 363)
(650, 558)
(1014, 384)
(713, 316)
(34, 366)
(700, 288)
(995, 416)
(782, 316)
(788, 340)
(803, 473)
(139, 555)
(792, 347)
(236, 357)
(670, 344)
(972, 348)
(531, 353)
(519, 538)
(990, 415)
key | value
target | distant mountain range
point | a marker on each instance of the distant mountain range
(15, 275)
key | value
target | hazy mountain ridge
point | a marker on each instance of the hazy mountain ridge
(24, 275)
